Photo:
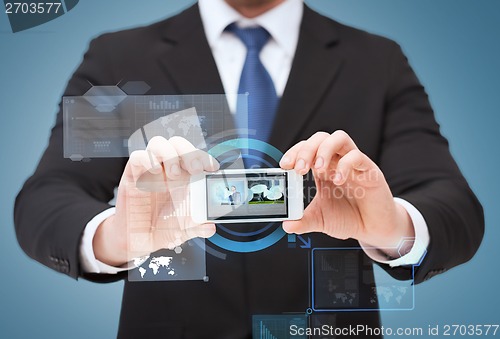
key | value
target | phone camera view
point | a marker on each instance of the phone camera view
(247, 196)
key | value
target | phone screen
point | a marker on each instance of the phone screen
(247, 196)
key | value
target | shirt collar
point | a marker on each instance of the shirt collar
(282, 22)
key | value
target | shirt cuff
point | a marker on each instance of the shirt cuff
(88, 261)
(416, 248)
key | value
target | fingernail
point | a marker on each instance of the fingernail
(214, 165)
(318, 163)
(207, 230)
(287, 228)
(285, 160)
(196, 164)
(155, 169)
(175, 169)
(301, 164)
(338, 178)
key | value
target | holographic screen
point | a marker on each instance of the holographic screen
(108, 123)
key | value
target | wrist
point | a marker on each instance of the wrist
(403, 229)
(387, 239)
(109, 245)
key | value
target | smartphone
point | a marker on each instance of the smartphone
(246, 195)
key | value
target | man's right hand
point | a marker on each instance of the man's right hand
(152, 206)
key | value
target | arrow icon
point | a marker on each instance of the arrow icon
(307, 244)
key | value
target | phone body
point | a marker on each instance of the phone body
(246, 195)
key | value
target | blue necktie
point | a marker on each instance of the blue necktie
(255, 80)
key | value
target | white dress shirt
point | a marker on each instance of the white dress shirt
(229, 52)
(282, 23)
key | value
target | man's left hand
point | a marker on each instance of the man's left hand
(353, 199)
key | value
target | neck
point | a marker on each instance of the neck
(253, 8)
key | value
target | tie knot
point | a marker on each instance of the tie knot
(254, 38)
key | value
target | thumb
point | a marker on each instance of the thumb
(308, 224)
(200, 231)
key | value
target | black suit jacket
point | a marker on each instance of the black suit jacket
(341, 78)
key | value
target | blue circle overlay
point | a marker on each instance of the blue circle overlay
(247, 246)
(244, 143)
(245, 234)
(279, 233)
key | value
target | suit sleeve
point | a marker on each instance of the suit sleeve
(62, 196)
(419, 168)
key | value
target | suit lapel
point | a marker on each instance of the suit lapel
(314, 69)
(187, 61)
(186, 57)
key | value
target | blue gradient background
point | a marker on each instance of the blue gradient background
(453, 45)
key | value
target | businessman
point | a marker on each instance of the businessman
(338, 102)
(235, 196)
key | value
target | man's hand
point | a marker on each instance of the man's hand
(152, 207)
(353, 200)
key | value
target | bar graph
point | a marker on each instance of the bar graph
(330, 263)
(265, 333)
(163, 105)
(277, 326)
